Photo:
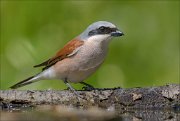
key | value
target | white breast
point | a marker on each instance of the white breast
(92, 54)
(85, 62)
(88, 59)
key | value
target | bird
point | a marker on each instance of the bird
(79, 58)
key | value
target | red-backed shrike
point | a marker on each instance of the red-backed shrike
(79, 58)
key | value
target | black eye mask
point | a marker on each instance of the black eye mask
(102, 30)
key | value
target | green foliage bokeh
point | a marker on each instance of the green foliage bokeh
(148, 54)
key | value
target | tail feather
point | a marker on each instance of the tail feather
(23, 83)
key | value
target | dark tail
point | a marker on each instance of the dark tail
(23, 83)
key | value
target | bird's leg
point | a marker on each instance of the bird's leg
(87, 86)
(70, 87)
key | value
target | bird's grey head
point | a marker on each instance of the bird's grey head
(102, 29)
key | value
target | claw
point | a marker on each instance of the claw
(88, 88)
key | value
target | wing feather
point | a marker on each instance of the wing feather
(70, 49)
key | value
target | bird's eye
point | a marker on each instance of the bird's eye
(102, 28)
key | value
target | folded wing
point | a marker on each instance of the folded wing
(70, 49)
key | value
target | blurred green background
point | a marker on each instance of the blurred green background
(148, 54)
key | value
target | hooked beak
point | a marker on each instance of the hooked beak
(117, 33)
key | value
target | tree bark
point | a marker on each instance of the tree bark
(162, 97)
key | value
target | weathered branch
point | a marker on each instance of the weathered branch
(163, 97)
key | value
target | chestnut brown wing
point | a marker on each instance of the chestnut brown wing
(68, 50)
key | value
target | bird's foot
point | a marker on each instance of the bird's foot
(67, 88)
(88, 88)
